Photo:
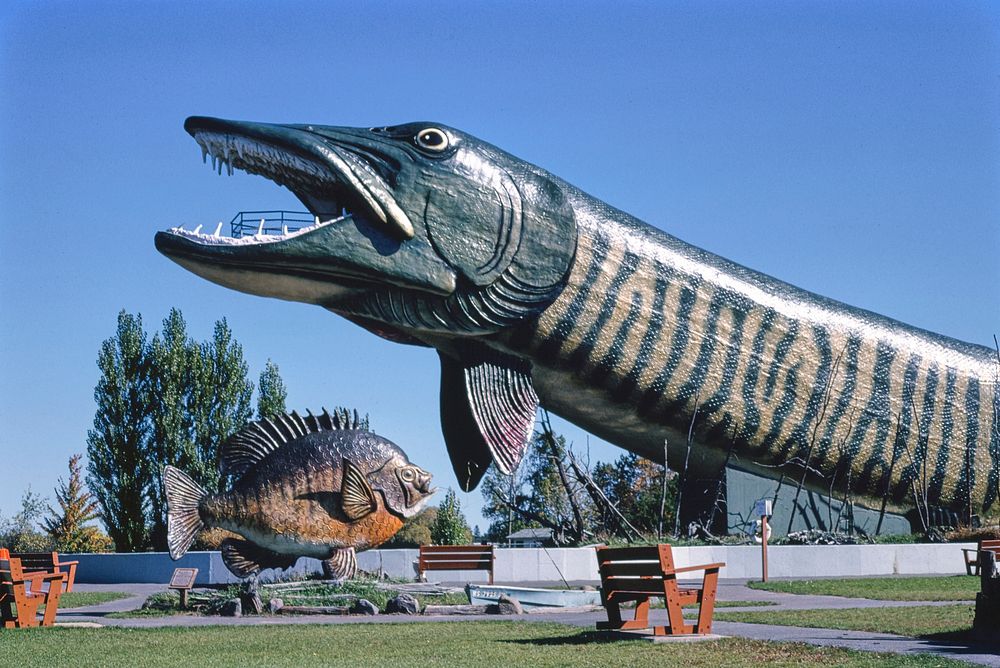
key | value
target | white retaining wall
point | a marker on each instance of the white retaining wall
(552, 565)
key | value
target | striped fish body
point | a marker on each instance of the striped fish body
(651, 331)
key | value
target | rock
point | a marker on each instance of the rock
(250, 602)
(363, 606)
(589, 588)
(231, 608)
(274, 605)
(507, 605)
(402, 604)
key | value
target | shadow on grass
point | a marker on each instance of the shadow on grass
(964, 636)
(963, 642)
(583, 638)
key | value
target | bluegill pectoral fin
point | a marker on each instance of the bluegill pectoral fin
(356, 496)
(488, 406)
(342, 564)
(244, 558)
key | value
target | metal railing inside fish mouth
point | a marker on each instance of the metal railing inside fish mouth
(249, 223)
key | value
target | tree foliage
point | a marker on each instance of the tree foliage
(223, 404)
(172, 355)
(171, 401)
(20, 532)
(271, 393)
(120, 469)
(500, 499)
(450, 526)
(553, 489)
(635, 486)
(68, 526)
(416, 531)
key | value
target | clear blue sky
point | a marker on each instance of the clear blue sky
(852, 149)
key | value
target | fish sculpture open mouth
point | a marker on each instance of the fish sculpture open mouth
(352, 183)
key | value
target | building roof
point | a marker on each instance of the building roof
(531, 533)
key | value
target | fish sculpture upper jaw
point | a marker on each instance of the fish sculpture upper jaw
(534, 292)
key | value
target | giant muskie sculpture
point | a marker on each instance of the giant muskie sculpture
(531, 290)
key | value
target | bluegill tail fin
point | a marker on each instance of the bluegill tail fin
(184, 497)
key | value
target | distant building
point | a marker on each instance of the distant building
(531, 538)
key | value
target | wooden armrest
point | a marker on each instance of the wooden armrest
(67, 563)
(32, 578)
(700, 567)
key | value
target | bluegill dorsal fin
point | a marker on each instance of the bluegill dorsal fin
(357, 498)
(244, 558)
(244, 449)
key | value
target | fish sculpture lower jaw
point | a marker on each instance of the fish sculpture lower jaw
(534, 292)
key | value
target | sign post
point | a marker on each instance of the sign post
(183, 580)
(762, 509)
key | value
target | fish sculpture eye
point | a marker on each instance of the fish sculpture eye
(408, 475)
(432, 139)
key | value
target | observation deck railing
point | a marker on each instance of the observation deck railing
(249, 223)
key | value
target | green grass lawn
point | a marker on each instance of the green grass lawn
(79, 599)
(427, 645)
(941, 588)
(914, 621)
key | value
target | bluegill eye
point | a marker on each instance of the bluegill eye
(407, 475)
(432, 139)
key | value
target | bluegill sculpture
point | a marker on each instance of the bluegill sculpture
(532, 290)
(313, 486)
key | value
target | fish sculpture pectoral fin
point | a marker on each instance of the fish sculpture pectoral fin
(470, 456)
(341, 565)
(488, 406)
(244, 558)
(357, 497)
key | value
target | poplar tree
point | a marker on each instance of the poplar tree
(271, 392)
(171, 401)
(172, 359)
(221, 401)
(120, 467)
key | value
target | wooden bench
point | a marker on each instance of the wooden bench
(639, 573)
(48, 562)
(455, 558)
(22, 593)
(972, 556)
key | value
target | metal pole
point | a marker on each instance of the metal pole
(763, 547)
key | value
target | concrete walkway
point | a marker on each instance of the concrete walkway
(728, 591)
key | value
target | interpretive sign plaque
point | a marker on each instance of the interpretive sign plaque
(183, 580)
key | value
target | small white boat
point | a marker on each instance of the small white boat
(530, 597)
